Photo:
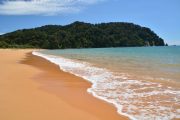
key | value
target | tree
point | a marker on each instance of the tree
(82, 35)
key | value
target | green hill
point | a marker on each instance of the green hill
(82, 35)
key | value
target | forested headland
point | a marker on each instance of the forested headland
(82, 35)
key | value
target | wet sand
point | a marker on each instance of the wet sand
(32, 88)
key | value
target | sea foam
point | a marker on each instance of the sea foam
(136, 99)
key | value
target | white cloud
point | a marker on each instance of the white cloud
(173, 42)
(1, 33)
(43, 7)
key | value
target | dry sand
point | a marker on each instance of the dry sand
(32, 88)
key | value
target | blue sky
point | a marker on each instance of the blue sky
(162, 16)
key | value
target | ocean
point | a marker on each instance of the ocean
(143, 83)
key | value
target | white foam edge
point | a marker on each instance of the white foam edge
(118, 107)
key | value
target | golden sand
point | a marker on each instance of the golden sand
(32, 88)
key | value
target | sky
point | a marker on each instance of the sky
(161, 16)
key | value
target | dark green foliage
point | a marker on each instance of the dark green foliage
(82, 35)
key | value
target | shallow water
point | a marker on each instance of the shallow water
(143, 82)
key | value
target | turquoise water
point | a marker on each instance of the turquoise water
(148, 62)
(142, 82)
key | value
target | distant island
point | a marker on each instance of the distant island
(82, 35)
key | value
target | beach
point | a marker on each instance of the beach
(32, 88)
(140, 91)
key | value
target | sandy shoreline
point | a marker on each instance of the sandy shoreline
(32, 88)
